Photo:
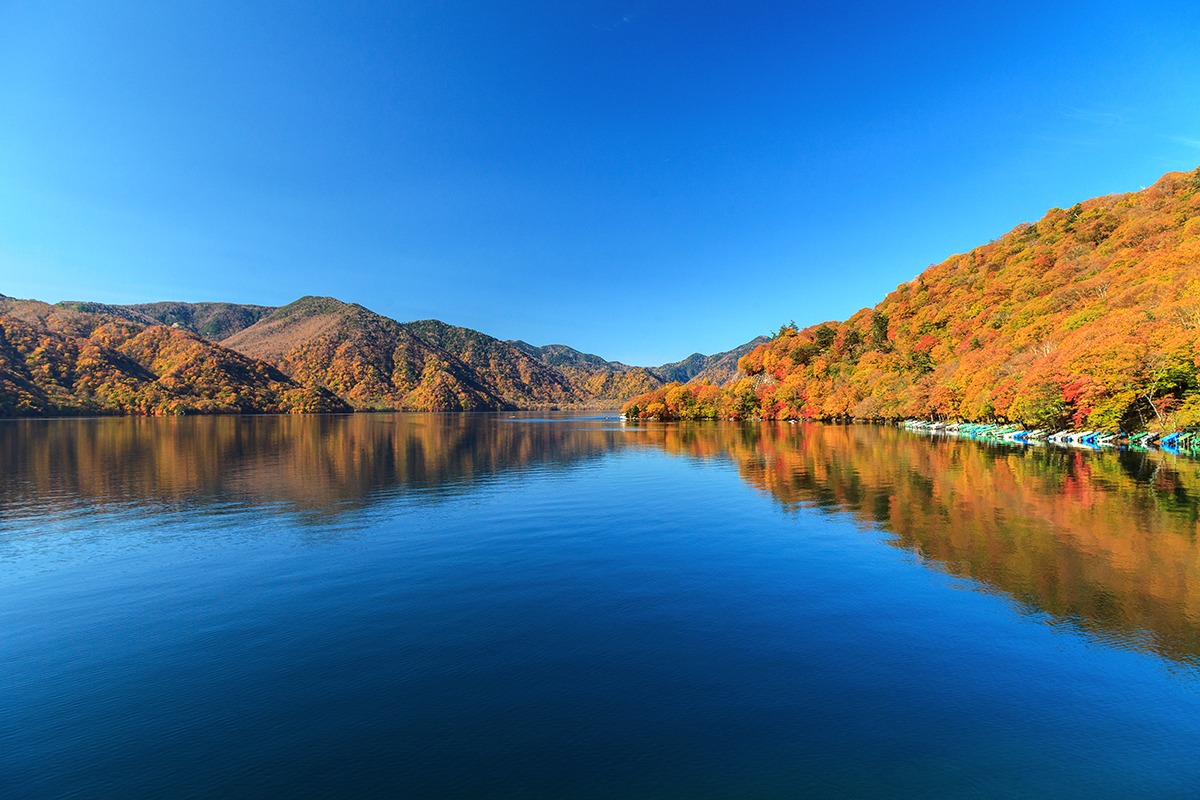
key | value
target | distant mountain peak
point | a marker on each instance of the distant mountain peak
(313, 304)
(716, 368)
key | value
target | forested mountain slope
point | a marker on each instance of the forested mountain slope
(716, 368)
(510, 373)
(58, 360)
(594, 377)
(370, 361)
(1089, 317)
(374, 362)
(316, 354)
(213, 321)
(591, 376)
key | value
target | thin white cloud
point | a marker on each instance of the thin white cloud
(1094, 116)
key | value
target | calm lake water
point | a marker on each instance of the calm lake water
(486, 606)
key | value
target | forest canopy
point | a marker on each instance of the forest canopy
(1088, 318)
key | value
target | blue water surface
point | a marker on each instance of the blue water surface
(478, 606)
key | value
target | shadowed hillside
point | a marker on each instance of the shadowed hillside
(717, 368)
(593, 377)
(212, 321)
(590, 375)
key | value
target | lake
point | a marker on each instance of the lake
(383, 605)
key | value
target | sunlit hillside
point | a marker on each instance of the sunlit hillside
(1089, 317)
(57, 360)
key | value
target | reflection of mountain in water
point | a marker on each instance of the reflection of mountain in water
(319, 463)
(1104, 541)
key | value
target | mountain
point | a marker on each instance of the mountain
(213, 321)
(368, 360)
(717, 368)
(374, 362)
(522, 380)
(594, 377)
(1089, 317)
(559, 356)
(127, 313)
(591, 377)
(60, 360)
(317, 353)
(338, 345)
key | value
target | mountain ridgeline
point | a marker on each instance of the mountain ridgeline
(317, 354)
(213, 321)
(1088, 318)
(61, 360)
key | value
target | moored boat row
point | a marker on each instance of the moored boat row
(1186, 441)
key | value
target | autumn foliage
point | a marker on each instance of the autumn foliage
(56, 361)
(376, 363)
(1089, 318)
(316, 354)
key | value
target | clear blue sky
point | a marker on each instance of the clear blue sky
(640, 180)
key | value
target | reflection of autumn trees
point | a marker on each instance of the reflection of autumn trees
(1106, 540)
(321, 462)
(1089, 317)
